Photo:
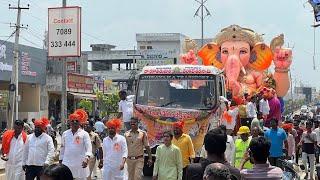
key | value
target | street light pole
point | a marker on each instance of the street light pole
(201, 8)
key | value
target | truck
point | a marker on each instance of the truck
(169, 93)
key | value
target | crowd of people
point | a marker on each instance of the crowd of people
(255, 150)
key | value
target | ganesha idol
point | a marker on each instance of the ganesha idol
(245, 59)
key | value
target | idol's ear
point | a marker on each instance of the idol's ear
(211, 55)
(261, 57)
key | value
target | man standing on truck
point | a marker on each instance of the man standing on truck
(137, 140)
(184, 143)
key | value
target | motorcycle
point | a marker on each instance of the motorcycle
(290, 170)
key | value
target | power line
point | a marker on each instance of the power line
(36, 36)
(5, 41)
(4, 22)
(37, 45)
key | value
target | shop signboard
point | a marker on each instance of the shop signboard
(72, 67)
(25, 65)
(32, 66)
(80, 83)
(147, 62)
(64, 32)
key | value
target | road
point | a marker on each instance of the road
(98, 173)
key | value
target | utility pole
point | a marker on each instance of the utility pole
(64, 95)
(14, 82)
(201, 8)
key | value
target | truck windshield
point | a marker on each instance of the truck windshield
(177, 91)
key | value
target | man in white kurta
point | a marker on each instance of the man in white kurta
(115, 153)
(14, 164)
(76, 149)
(38, 151)
(13, 167)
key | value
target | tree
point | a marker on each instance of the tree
(85, 104)
(108, 104)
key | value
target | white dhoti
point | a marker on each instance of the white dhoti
(114, 173)
(14, 172)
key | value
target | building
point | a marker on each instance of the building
(32, 79)
(121, 66)
(310, 93)
(79, 85)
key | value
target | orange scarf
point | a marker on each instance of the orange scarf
(227, 117)
(6, 140)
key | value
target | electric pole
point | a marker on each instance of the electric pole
(201, 8)
(64, 96)
(14, 82)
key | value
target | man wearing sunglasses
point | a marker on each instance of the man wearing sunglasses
(76, 148)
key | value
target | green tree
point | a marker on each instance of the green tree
(85, 104)
(108, 104)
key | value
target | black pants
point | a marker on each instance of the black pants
(297, 155)
(184, 171)
(33, 172)
(317, 154)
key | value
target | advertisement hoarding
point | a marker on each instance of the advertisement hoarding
(64, 32)
(80, 83)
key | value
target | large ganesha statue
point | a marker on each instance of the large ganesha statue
(245, 59)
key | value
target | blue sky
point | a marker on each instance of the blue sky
(117, 21)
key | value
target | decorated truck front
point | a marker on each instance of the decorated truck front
(166, 94)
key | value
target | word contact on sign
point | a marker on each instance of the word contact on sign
(63, 21)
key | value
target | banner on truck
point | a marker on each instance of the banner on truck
(157, 120)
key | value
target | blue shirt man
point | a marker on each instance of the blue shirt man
(277, 136)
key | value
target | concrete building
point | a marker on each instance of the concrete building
(310, 93)
(79, 85)
(32, 79)
(152, 49)
(171, 42)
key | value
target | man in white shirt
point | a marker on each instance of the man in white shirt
(125, 109)
(38, 151)
(76, 148)
(264, 105)
(229, 118)
(13, 142)
(251, 108)
(115, 152)
(317, 131)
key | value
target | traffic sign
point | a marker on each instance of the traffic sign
(64, 31)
